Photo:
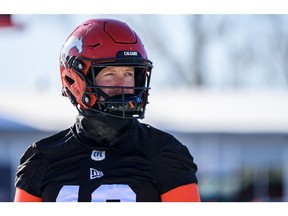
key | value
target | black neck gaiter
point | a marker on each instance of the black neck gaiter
(102, 131)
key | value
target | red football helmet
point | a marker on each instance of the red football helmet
(92, 46)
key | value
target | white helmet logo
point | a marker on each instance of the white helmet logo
(72, 42)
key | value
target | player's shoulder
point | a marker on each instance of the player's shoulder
(57, 142)
(156, 141)
(151, 129)
(54, 138)
(155, 133)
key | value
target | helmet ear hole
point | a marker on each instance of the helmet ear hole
(69, 80)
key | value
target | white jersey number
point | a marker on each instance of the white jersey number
(104, 193)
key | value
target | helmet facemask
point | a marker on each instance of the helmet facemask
(122, 105)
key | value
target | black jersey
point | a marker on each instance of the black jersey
(142, 165)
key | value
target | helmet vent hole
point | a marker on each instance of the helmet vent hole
(69, 80)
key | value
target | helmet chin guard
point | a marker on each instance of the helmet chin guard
(122, 105)
(92, 46)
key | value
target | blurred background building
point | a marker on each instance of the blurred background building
(219, 84)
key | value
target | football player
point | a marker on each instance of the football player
(107, 155)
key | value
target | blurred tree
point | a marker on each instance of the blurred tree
(279, 45)
(235, 51)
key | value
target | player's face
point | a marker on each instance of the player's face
(116, 76)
